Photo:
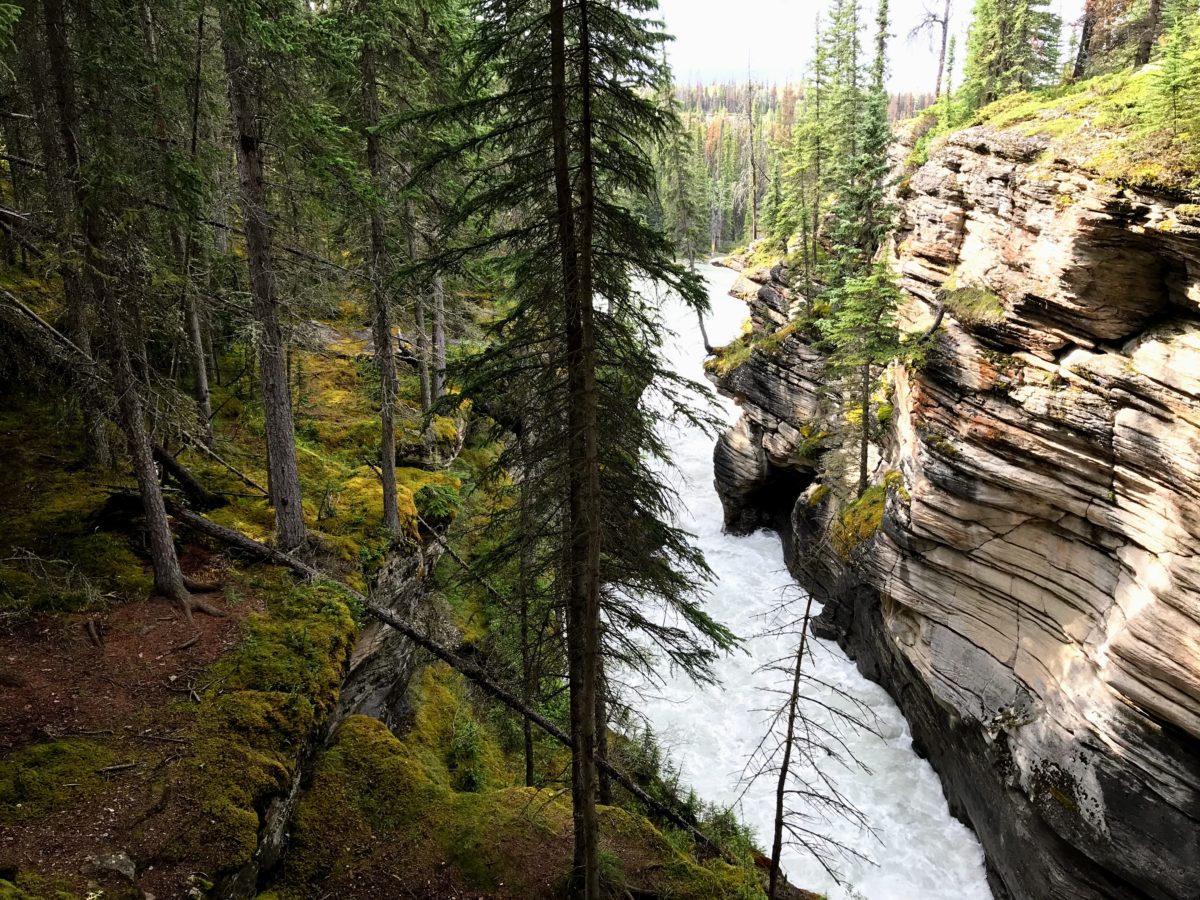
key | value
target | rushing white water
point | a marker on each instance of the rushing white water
(918, 849)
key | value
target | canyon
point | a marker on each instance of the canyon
(1031, 597)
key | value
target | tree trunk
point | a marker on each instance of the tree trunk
(789, 740)
(525, 583)
(385, 354)
(284, 481)
(753, 167)
(1085, 42)
(168, 577)
(865, 441)
(1149, 33)
(180, 243)
(439, 338)
(604, 795)
(60, 158)
(583, 524)
(945, 23)
(419, 315)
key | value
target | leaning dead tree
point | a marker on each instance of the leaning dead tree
(808, 734)
(469, 670)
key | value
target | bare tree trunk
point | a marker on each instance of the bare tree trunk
(419, 315)
(1085, 41)
(60, 157)
(1149, 33)
(284, 482)
(385, 354)
(525, 583)
(753, 165)
(604, 795)
(195, 324)
(789, 739)
(439, 338)
(865, 440)
(168, 577)
(708, 348)
(583, 510)
(945, 23)
(180, 243)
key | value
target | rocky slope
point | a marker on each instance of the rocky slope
(1032, 598)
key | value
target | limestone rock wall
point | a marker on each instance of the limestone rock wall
(1034, 603)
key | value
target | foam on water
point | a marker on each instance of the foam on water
(919, 850)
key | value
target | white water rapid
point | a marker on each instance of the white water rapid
(921, 851)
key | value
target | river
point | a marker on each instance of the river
(918, 849)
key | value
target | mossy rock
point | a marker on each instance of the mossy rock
(975, 306)
(374, 795)
(859, 521)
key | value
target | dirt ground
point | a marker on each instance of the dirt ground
(57, 683)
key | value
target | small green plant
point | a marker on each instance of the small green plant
(438, 504)
(466, 751)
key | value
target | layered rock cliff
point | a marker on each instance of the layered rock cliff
(1032, 598)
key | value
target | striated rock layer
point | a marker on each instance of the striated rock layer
(1033, 597)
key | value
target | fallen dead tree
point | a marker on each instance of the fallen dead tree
(469, 670)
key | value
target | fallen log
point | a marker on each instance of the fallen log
(188, 483)
(468, 669)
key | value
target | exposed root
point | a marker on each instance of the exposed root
(92, 629)
(198, 605)
(201, 587)
(180, 596)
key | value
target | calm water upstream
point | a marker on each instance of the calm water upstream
(919, 850)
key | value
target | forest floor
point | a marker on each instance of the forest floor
(139, 751)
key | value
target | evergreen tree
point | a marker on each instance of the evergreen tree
(1177, 83)
(861, 329)
(246, 67)
(566, 106)
(1012, 45)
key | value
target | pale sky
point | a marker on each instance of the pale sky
(715, 40)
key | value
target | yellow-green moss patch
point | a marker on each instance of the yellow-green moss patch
(44, 778)
(261, 703)
(859, 521)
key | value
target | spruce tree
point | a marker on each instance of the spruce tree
(566, 107)
(861, 329)
(1012, 45)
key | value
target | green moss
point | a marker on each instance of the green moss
(45, 778)
(884, 413)
(859, 521)
(818, 496)
(262, 703)
(812, 441)
(58, 558)
(940, 444)
(1188, 213)
(445, 429)
(444, 793)
(974, 306)
(34, 887)
(432, 783)
(738, 352)
(1108, 125)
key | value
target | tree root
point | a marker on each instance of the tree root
(198, 605)
(181, 597)
(201, 587)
